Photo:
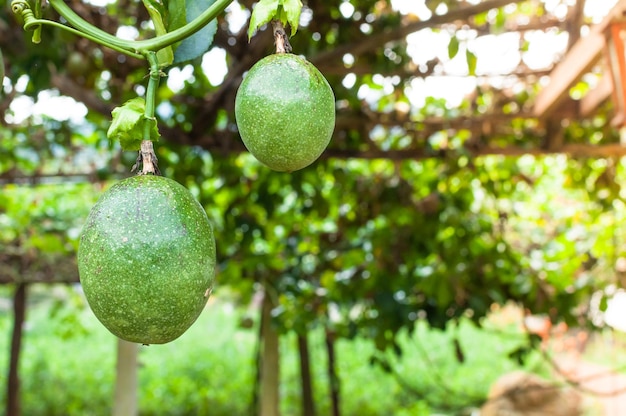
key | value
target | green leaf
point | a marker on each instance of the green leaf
(480, 19)
(291, 9)
(472, 60)
(200, 42)
(176, 14)
(453, 47)
(500, 22)
(128, 124)
(156, 11)
(287, 11)
(263, 13)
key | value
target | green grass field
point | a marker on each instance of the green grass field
(68, 360)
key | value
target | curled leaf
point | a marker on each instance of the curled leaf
(129, 123)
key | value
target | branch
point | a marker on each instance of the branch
(69, 87)
(224, 96)
(574, 23)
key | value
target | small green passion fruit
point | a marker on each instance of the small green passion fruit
(285, 112)
(146, 259)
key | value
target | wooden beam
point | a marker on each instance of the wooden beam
(594, 98)
(578, 60)
(572, 150)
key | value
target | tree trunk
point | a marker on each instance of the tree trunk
(126, 382)
(13, 383)
(332, 373)
(308, 405)
(269, 397)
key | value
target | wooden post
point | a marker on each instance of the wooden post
(13, 407)
(126, 379)
(308, 404)
(332, 373)
(269, 397)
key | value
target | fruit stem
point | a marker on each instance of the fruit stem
(151, 92)
(146, 153)
(280, 37)
(148, 159)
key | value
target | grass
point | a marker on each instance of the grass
(68, 360)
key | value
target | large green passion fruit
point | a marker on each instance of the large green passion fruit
(285, 112)
(146, 259)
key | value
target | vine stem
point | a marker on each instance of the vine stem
(137, 49)
(151, 91)
(146, 153)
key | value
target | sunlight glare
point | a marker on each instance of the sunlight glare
(346, 9)
(177, 77)
(214, 65)
(236, 16)
(543, 48)
(49, 103)
(417, 8)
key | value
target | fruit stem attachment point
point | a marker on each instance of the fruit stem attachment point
(147, 159)
(281, 40)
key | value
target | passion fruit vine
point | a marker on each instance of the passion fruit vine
(146, 259)
(285, 112)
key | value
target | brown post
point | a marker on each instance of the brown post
(13, 385)
(308, 404)
(270, 368)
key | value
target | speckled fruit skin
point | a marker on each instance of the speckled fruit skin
(146, 259)
(285, 112)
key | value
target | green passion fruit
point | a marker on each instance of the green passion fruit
(146, 259)
(285, 112)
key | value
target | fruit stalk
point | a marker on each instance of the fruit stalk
(148, 159)
(280, 38)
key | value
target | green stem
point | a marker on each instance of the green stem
(142, 46)
(87, 28)
(185, 31)
(151, 92)
(84, 35)
(37, 31)
(31, 22)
